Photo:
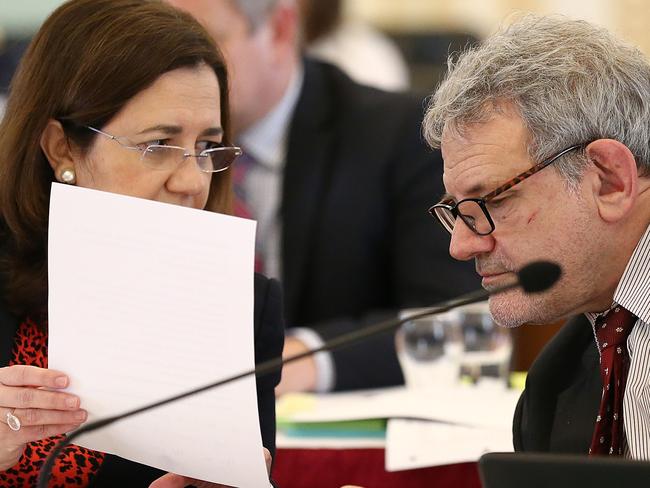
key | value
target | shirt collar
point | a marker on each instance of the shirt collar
(633, 291)
(266, 140)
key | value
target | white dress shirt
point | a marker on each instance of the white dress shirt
(266, 143)
(633, 293)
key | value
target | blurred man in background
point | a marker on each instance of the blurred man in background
(339, 180)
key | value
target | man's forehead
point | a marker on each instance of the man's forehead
(470, 180)
(484, 155)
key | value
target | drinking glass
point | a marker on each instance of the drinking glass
(460, 343)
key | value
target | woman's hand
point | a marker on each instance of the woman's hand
(41, 413)
(171, 480)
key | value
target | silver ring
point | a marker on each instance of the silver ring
(13, 422)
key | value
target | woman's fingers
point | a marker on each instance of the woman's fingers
(21, 375)
(26, 397)
(171, 480)
(36, 416)
(33, 411)
(268, 460)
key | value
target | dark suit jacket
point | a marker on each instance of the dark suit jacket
(357, 241)
(269, 336)
(557, 410)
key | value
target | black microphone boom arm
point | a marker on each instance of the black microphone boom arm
(539, 273)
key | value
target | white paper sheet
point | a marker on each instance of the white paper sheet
(147, 300)
(476, 406)
(412, 444)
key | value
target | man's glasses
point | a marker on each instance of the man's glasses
(474, 211)
(163, 157)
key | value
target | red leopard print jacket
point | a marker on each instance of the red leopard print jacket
(77, 465)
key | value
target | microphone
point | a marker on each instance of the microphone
(539, 276)
(533, 278)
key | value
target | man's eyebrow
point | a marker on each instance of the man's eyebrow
(476, 189)
(177, 129)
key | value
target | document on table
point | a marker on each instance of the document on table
(412, 444)
(147, 300)
(426, 427)
(473, 406)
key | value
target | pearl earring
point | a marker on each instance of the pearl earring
(68, 176)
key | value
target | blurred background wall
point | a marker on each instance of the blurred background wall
(21, 17)
(425, 31)
(628, 18)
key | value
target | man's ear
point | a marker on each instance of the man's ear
(284, 25)
(615, 181)
(57, 150)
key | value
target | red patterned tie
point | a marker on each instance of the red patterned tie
(612, 331)
(240, 205)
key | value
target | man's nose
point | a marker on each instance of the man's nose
(466, 244)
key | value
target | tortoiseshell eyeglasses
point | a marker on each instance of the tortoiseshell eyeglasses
(474, 212)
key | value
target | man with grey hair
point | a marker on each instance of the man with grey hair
(551, 92)
(338, 176)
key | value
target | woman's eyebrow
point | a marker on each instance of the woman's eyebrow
(177, 129)
(213, 131)
(167, 129)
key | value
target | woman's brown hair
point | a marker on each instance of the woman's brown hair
(86, 62)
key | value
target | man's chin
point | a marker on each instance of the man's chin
(511, 309)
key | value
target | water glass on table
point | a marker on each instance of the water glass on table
(462, 343)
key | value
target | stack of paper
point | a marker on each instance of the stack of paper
(426, 426)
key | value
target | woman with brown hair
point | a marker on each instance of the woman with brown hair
(108, 96)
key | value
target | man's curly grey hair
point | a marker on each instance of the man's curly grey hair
(571, 82)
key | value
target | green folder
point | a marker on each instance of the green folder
(372, 428)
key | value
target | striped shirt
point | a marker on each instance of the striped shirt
(633, 293)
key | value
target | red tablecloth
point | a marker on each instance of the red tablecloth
(332, 468)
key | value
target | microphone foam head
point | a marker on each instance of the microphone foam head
(539, 276)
